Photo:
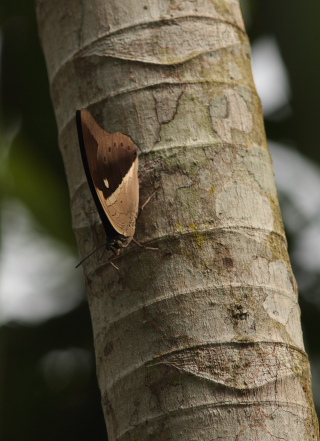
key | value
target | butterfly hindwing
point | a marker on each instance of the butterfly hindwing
(111, 165)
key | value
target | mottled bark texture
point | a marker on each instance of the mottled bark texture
(202, 339)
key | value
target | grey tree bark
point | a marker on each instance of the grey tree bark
(201, 340)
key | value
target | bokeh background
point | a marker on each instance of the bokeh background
(48, 388)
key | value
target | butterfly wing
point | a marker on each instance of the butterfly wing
(111, 165)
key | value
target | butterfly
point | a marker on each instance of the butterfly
(110, 161)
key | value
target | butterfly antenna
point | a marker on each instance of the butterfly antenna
(92, 252)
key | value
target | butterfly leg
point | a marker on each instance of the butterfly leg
(109, 260)
(143, 246)
(140, 211)
(100, 258)
(146, 202)
(116, 255)
(114, 265)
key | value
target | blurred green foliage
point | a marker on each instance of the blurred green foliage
(33, 173)
(38, 403)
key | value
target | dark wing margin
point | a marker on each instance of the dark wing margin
(93, 147)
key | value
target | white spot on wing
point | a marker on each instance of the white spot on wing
(106, 182)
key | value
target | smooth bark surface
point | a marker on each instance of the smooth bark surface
(202, 339)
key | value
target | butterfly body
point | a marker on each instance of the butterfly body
(110, 162)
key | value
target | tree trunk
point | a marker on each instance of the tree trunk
(200, 340)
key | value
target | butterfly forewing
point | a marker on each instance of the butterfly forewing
(119, 194)
(112, 165)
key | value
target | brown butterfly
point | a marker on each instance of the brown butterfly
(110, 162)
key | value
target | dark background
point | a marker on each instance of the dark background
(47, 372)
